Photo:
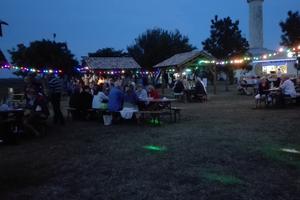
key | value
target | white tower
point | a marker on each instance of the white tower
(256, 36)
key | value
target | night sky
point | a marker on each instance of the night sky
(92, 24)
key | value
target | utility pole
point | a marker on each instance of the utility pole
(54, 36)
(2, 23)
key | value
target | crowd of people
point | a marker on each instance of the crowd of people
(113, 95)
(282, 86)
(190, 89)
(87, 92)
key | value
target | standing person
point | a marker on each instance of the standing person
(55, 89)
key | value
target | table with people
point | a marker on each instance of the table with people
(190, 90)
(116, 100)
(279, 94)
(16, 119)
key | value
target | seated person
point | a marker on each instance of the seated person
(116, 97)
(262, 91)
(142, 95)
(85, 102)
(37, 111)
(186, 83)
(130, 97)
(85, 98)
(153, 93)
(277, 82)
(100, 99)
(243, 87)
(178, 87)
(287, 86)
(199, 87)
(130, 102)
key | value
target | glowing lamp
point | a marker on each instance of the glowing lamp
(290, 54)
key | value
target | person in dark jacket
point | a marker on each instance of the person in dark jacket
(36, 111)
(85, 102)
(178, 86)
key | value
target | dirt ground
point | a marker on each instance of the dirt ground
(222, 149)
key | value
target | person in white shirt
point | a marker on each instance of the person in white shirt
(287, 86)
(100, 98)
(141, 93)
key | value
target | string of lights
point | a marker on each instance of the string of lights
(291, 52)
(33, 70)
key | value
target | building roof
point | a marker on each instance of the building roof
(108, 63)
(183, 58)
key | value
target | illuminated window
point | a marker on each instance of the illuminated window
(273, 69)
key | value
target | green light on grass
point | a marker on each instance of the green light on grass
(289, 155)
(290, 150)
(155, 148)
(223, 179)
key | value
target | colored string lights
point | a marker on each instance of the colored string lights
(116, 71)
(292, 52)
(33, 70)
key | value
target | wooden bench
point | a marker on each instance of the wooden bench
(201, 97)
(158, 113)
(89, 111)
(291, 100)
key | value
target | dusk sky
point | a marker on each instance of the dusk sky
(92, 24)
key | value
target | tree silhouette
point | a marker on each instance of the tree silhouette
(108, 52)
(226, 42)
(290, 30)
(156, 45)
(44, 54)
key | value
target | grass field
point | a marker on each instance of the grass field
(222, 149)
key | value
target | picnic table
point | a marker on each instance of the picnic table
(276, 95)
(159, 107)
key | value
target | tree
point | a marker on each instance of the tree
(156, 45)
(44, 54)
(226, 42)
(290, 30)
(108, 52)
